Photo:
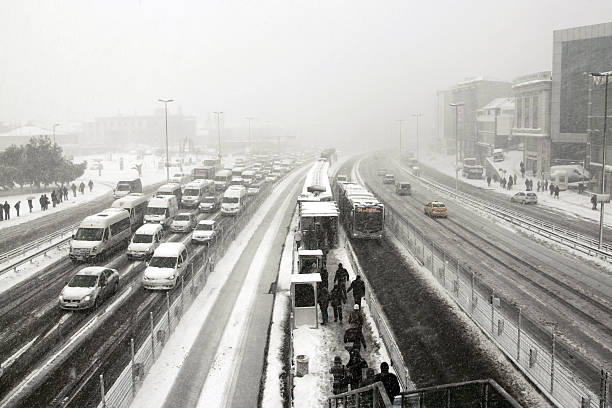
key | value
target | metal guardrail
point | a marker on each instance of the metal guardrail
(371, 396)
(40, 247)
(563, 236)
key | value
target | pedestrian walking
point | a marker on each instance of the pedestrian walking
(65, 191)
(340, 278)
(82, 188)
(594, 201)
(73, 187)
(557, 191)
(354, 335)
(354, 366)
(510, 182)
(1, 213)
(489, 181)
(538, 185)
(358, 288)
(340, 376)
(323, 300)
(514, 181)
(46, 201)
(545, 185)
(389, 380)
(552, 189)
(7, 210)
(41, 201)
(337, 298)
(527, 184)
(60, 194)
(297, 237)
(324, 277)
(30, 205)
(503, 182)
(53, 198)
(90, 184)
(17, 205)
(356, 317)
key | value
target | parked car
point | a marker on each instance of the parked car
(205, 231)
(525, 197)
(183, 222)
(436, 209)
(89, 288)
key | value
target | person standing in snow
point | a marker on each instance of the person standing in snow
(354, 335)
(489, 181)
(552, 189)
(324, 277)
(323, 300)
(340, 278)
(389, 380)
(594, 201)
(73, 187)
(358, 288)
(17, 205)
(90, 184)
(340, 376)
(356, 317)
(7, 210)
(65, 191)
(354, 366)
(337, 298)
(30, 205)
(557, 191)
(82, 188)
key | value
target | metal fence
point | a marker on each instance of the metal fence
(545, 360)
(202, 263)
(371, 396)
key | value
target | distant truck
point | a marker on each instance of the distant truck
(403, 188)
(205, 172)
(216, 162)
(125, 187)
(223, 179)
(471, 169)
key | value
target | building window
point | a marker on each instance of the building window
(527, 111)
(519, 112)
(535, 120)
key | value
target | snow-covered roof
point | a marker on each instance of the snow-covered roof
(169, 249)
(149, 229)
(207, 222)
(318, 209)
(310, 252)
(91, 270)
(501, 103)
(129, 200)
(31, 131)
(305, 278)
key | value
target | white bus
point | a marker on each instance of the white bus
(136, 205)
(100, 235)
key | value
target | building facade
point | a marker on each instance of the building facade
(532, 95)
(494, 123)
(473, 94)
(574, 110)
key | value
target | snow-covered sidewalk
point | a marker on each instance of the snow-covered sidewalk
(570, 202)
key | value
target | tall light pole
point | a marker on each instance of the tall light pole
(249, 118)
(456, 105)
(417, 116)
(400, 136)
(166, 102)
(603, 159)
(54, 126)
(218, 133)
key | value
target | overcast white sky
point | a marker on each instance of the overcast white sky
(332, 70)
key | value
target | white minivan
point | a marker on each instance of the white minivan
(233, 200)
(195, 191)
(169, 262)
(161, 210)
(145, 240)
(100, 235)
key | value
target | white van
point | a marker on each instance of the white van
(161, 210)
(168, 263)
(171, 189)
(233, 200)
(136, 204)
(223, 178)
(248, 177)
(101, 234)
(237, 181)
(195, 191)
(180, 178)
(145, 240)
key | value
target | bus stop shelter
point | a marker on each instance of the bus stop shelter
(304, 299)
(318, 221)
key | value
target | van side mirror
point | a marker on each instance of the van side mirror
(72, 236)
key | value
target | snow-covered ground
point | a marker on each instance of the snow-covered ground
(570, 202)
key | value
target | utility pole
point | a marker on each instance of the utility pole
(603, 159)
(417, 116)
(400, 137)
(456, 105)
(218, 134)
(166, 102)
(249, 118)
(54, 126)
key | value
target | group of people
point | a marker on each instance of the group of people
(57, 196)
(507, 183)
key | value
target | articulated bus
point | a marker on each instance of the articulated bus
(361, 213)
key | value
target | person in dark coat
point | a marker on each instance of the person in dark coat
(510, 183)
(60, 194)
(538, 185)
(557, 191)
(324, 277)
(41, 201)
(323, 300)
(594, 201)
(545, 185)
(65, 191)
(514, 181)
(340, 278)
(354, 366)
(354, 335)
(356, 317)
(389, 381)
(53, 199)
(358, 288)
(489, 181)
(337, 298)
(17, 205)
(82, 188)
(73, 187)
(46, 201)
(340, 374)
(1, 212)
(30, 205)
(551, 188)
(90, 184)
(7, 210)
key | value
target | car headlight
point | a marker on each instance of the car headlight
(172, 276)
(86, 298)
(61, 297)
(94, 249)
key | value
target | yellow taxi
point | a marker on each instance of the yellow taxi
(436, 209)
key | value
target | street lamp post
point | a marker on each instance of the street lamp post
(218, 134)
(417, 116)
(54, 126)
(603, 159)
(400, 137)
(456, 105)
(249, 118)
(166, 102)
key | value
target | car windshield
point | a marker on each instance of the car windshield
(230, 200)
(83, 281)
(204, 227)
(438, 205)
(142, 239)
(208, 200)
(165, 193)
(163, 262)
(156, 210)
(191, 192)
(182, 217)
(123, 187)
(89, 234)
(531, 194)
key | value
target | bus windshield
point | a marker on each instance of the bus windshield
(156, 210)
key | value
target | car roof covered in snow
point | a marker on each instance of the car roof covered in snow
(169, 249)
(149, 229)
(91, 270)
(207, 222)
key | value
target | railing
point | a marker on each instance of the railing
(553, 232)
(371, 396)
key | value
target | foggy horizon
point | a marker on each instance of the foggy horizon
(331, 72)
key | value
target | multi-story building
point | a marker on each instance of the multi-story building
(474, 94)
(494, 123)
(576, 122)
(445, 121)
(532, 95)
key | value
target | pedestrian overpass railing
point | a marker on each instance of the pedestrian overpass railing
(371, 396)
